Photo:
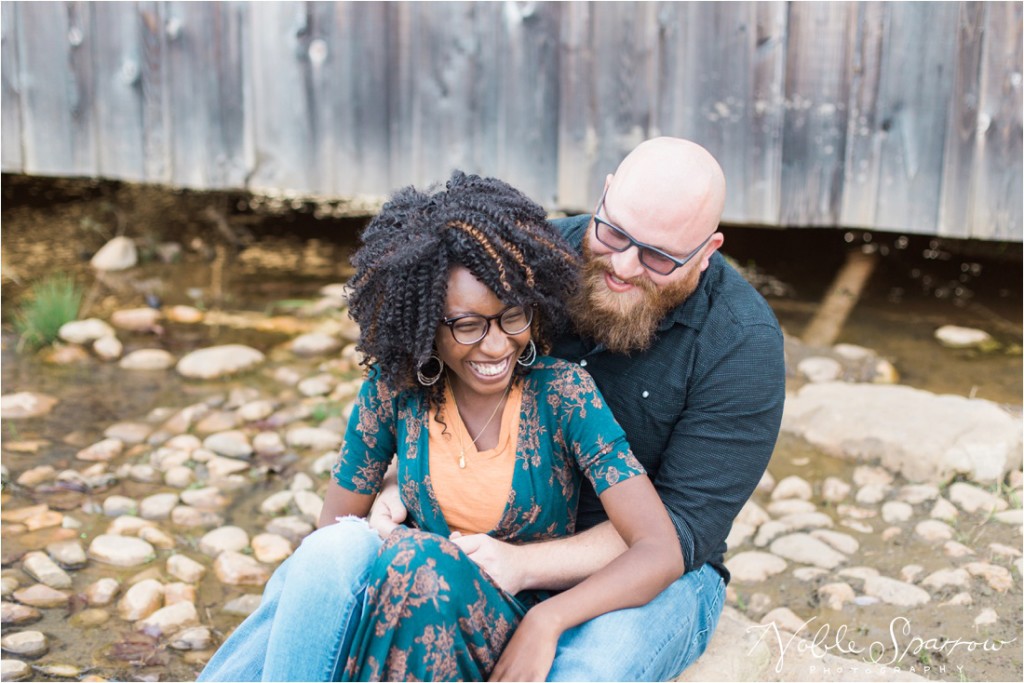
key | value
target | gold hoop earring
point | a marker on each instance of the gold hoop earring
(426, 380)
(529, 356)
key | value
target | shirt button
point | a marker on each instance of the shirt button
(583, 363)
(645, 393)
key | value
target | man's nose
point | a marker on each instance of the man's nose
(626, 264)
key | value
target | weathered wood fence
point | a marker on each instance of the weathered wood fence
(901, 116)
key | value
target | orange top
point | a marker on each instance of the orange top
(473, 498)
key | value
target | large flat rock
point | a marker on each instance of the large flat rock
(926, 437)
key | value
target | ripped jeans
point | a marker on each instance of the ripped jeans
(303, 628)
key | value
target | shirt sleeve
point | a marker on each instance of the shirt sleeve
(369, 440)
(592, 434)
(723, 440)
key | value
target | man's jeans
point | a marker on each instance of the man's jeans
(301, 630)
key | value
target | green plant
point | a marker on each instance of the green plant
(51, 302)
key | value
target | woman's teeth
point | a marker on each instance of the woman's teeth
(490, 369)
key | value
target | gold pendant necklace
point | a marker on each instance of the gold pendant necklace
(462, 448)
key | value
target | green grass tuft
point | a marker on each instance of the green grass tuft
(51, 302)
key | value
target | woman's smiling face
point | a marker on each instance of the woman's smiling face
(484, 368)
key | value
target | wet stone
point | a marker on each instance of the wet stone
(268, 443)
(217, 421)
(768, 532)
(835, 595)
(792, 487)
(156, 537)
(932, 530)
(958, 577)
(894, 512)
(218, 361)
(754, 566)
(915, 494)
(44, 520)
(301, 482)
(806, 520)
(15, 614)
(844, 543)
(90, 618)
(146, 474)
(871, 494)
(791, 506)
(115, 506)
(227, 538)
(195, 638)
(85, 332)
(309, 505)
(14, 670)
(141, 319)
(998, 578)
(25, 405)
(102, 591)
(185, 568)
(9, 585)
(207, 498)
(955, 549)
(59, 670)
(128, 525)
(179, 592)
(26, 644)
(158, 505)
(314, 438)
(43, 569)
(271, 548)
(944, 510)
(236, 569)
(970, 498)
(69, 554)
(36, 476)
(179, 477)
(243, 606)
(895, 592)
(190, 517)
(231, 443)
(910, 572)
(806, 549)
(169, 620)
(41, 595)
(291, 527)
(219, 467)
(141, 600)
(957, 337)
(121, 551)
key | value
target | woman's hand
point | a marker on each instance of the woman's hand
(528, 656)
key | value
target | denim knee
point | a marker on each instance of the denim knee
(350, 542)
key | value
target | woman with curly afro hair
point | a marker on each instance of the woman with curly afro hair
(457, 294)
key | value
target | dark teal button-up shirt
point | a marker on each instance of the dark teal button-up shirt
(701, 407)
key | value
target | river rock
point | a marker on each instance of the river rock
(15, 614)
(217, 421)
(820, 369)
(998, 578)
(958, 577)
(1001, 550)
(169, 620)
(141, 600)
(243, 605)
(271, 548)
(302, 482)
(232, 444)
(65, 354)
(236, 569)
(187, 315)
(739, 534)
(188, 516)
(268, 443)
(102, 591)
(973, 499)
(835, 595)
(218, 361)
(25, 404)
(915, 494)
(785, 619)
(834, 490)
(14, 670)
(987, 617)
(29, 644)
(231, 538)
(179, 477)
(956, 550)
(148, 359)
(8, 584)
(158, 505)
(944, 510)
(768, 532)
(925, 437)
(871, 494)
(895, 512)
(121, 551)
(254, 411)
(844, 543)
(895, 592)
(910, 572)
(207, 498)
(314, 438)
(185, 568)
(142, 319)
(962, 599)
(184, 442)
(291, 527)
(128, 525)
(276, 503)
(956, 337)
(791, 506)
(792, 487)
(806, 520)
(315, 344)
(115, 506)
(754, 566)
(41, 595)
(108, 348)
(85, 332)
(932, 530)
(179, 591)
(318, 385)
(806, 549)
(90, 618)
(35, 476)
(101, 451)
(130, 433)
(309, 505)
(40, 567)
(324, 464)
(195, 638)
(157, 538)
(117, 254)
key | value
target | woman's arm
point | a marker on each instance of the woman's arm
(340, 502)
(652, 562)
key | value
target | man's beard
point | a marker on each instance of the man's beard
(628, 321)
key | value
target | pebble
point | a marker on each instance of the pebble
(185, 568)
(186, 315)
(739, 534)
(790, 506)
(998, 578)
(127, 525)
(861, 573)
(90, 618)
(325, 463)
(169, 620)
(14, 670)
(809, 574)
(932, 530)
(156, 537)
(218, 361)
(314, 438)
(115, 506)
(834, 490)
(944, 510)
(142, 319)
(866, 475)
(844, 543)
(955, 549)
(231, 443)
(318, 385)
(310, 505)
(219, 467)
(41, 595)
(195, 638)
(117, 254)
(101, 451)
(254, 411)
(26, 644)
(236, 569)
(768, 532)
(754, 566)
(208, 498)
(857, 525)
(217, 421)
(130, 433)
(910, 572)
(894, 512)
(792, 487)
(962, 599)
(158, 505)
(806, 520)
(835, 595)
(956, 337)
(970, 498)
(302, 482)
(59, 670)
(891, 533)
(35, 476)
(268, 443)
(121, 551)
(13, 613)
(855, 512)
(785, 619)
(915, 494)
(108, 348)
(141, 600)
(226, 538)
(1003, 550)
(166, 458)
(102, 591)
(43, 569)
(315, 344)
(1010, 517)
(820, 369)
(806, 549)
(25, 405)
(986, 617)
(271, 548)
(184, 442)
(179, 591)
(188, 516)
(291, 527)
(147, 474)
(9, 584)
(85, 332)
(958, 577)
(872, 494)
(895, 592)
(243, 606)
(179, 477)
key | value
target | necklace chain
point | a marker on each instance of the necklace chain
(462, 448)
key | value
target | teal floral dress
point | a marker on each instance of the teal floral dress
(430, 612)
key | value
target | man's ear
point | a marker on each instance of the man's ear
(714, 244)
(607, 181)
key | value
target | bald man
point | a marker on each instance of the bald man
(690, 359)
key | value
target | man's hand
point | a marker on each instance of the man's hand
(530, 653)
(500, 560)
(387, 511)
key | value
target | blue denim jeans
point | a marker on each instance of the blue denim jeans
(301, 630)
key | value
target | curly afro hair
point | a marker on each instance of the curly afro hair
(410, 247)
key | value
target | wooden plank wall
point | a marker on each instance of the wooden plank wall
(902, 116)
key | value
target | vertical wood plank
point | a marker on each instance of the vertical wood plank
(996, 193)
(155, 86)
(11, 160)
(814, 133)
(117, 57)
(577, 138)
(912, 112)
